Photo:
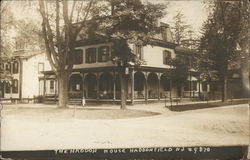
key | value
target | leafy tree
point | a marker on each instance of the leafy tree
(181, 30)
(180, 72)
(243, 43)
(131, 22)
(61, 24)
(219, 41)
(117, 20)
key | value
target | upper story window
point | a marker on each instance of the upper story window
(103, 54)
(15, 67)
(166, 57)
(204, 86)
(194, 85)
(187, 86)
(40, 67)
(15, 86)
(78, 56)
(91, 55)
(139, 51)
(1, 67)
(7, 87)
(8, 67)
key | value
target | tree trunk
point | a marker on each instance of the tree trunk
(63, 91)
(245, 77)
(224, 88)
(123, 88)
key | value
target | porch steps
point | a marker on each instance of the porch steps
(75, 101)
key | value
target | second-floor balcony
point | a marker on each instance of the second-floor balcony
(93, 56)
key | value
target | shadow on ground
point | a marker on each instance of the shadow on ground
(187, 107)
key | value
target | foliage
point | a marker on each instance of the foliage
(181, 69)
(131, 22)
(181, 30)
(220, 39)
(218, 43)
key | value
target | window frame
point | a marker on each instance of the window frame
(52, 87)
(167, 56)
(7, 88)
(14, 86)
(78, 58)
(15, 66)
(89, 54)
(40, 64)
(101, 54)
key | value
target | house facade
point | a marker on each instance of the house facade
(96, 77)
(23, 69)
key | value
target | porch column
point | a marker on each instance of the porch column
(44, 86)
(85, 86)
(114, 87)
(83, 90)
(199, 89)
(132, 86)
(159, 85)
(97, 85)
(146, 87)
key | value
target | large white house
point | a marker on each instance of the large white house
(23, 69)
(96, 78)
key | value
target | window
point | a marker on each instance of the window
(187, 86)
(91, 55)
(52, 85)
(166, 57)
(139, 51)
(7, 87)
(15, 86)
(103, 54)
(40, 67)
(78, 57)
(8, 67)
(15, 67)
(194, 85)
(204, 86)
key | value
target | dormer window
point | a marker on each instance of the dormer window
(166, 57)
(91, 55)
(103, 54)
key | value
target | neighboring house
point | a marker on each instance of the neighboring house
(95, 76)
(24, 69)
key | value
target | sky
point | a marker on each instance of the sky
(193, 10)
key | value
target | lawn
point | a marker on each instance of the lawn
(38, 127)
